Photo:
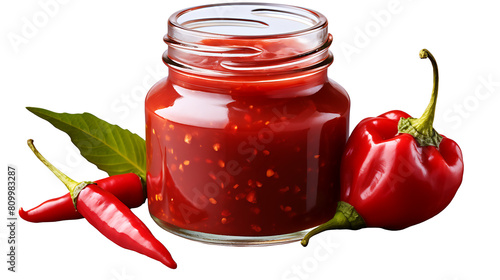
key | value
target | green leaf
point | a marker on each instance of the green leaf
(111, 148)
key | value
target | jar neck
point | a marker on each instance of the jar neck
(255, 58)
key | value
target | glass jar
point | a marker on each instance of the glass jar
(245, 135)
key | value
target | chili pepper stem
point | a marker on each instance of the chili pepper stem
(346, 217)
(421, 129)
(424, 123)
(339, 221)
(73, 186)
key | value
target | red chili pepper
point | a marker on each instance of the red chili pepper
(111, 217)
(127, 188)
(396, 171)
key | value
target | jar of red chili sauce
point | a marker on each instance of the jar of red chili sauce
(245, 135)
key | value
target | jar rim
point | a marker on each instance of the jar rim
(314, 19)
(247, 39)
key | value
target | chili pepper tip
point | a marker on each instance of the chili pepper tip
(23, 214)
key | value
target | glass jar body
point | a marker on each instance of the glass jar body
(240, 162)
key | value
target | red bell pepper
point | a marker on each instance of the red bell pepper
(396, 171)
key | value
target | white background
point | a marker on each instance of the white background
(102, 56)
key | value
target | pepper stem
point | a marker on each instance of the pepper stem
(73, 186)
(346, 217)
(421, 129)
